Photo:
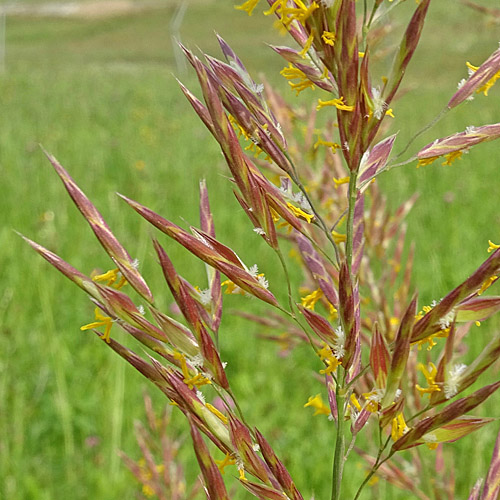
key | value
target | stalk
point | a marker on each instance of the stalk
(341, 393)
(338, 460)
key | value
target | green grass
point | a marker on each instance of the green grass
(100, 95)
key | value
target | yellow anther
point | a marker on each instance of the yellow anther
(487, 284)
(248, 6)
(307, 45)
(222, 464)
(300, 214)
(426, 161)
(451, 157)
(338, 103)
(328, 37)
(317, 403)
(354, 402)
(217, 413)
(197, 381)
(101, 320)
(110, 277)
(339, 182)
(492, 246)
(329, 144)
(309, 301)
(399, 427)
(430, 373)
(338, 237)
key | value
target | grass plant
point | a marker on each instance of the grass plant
(68, 406)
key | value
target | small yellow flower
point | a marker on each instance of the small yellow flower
(330, 144)
(241, 473)
(338, 237)
(339, 182)
(451, 157)
(292, 73)
(307, 45)
(248, 6)
(426, 161)
(111, 278)
(217, 413)
(101, 320)
(317, 403)
(338, 103)
(430, 373)
(309, 301)
(487, 284)
(222, 464)
(197, 381)
(300, 214)
(492, 246)
(354, 402)
(399, 427)
(332, 362)
(328, 37)
(301, 12)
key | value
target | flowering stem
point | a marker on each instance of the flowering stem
(338, 460)
(421, 131)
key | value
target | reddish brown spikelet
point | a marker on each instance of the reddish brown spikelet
(214, 282)
(470, 285)
(379, 358)
(485, 72)
(347, 63)
(242, 441)
(486, 358)
(84, 282)
(377, 159)
(320, 325)
(190, 312)
(177, 334)
(460, 141)
(103, 233)
(277, 468)
(315, 265)
(207, 252)
(400, 354)
(211, 474)
(477, 308)
(451, 412)
(407, 49)
(199, 108)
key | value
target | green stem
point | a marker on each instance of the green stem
(422, 130)
(338, 460)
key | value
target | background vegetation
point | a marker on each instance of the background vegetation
(99, 94)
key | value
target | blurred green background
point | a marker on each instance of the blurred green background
(96, 88)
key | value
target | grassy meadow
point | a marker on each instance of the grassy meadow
(100, 94)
